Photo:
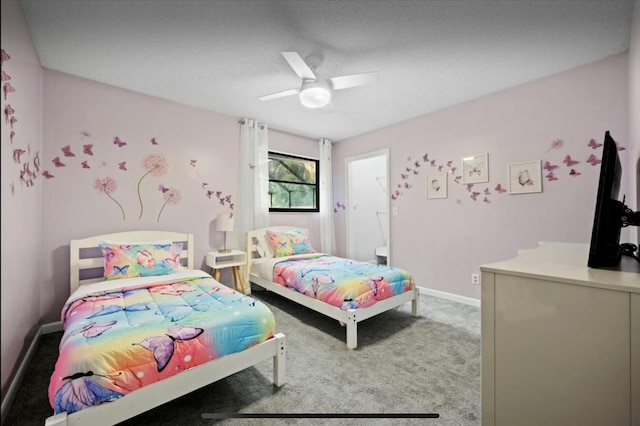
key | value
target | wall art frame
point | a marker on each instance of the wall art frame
(525, 177)
(437, 185)
(475, 169)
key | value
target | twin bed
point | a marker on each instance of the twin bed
(132, 343)
(280, 259)
(143, 327)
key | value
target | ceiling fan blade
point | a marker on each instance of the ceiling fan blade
(353, 80)
(299, 66)
(281, 94)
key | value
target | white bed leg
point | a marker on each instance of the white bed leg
(352, 329)
(280, 361)
(414, 302)
(56, 420)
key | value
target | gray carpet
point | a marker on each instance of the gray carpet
(403, 364)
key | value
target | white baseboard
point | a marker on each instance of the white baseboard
(15, 383)
(450, 296)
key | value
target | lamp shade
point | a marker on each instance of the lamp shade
(224, 222)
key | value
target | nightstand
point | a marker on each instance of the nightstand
(234, 259)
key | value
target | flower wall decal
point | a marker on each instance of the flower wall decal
(170, 196)
(156, 165)
(107, 186)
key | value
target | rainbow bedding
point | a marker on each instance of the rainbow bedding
(345, 283)
(121, 335)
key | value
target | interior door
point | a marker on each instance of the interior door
(368, 205)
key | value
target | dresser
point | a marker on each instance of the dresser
(560, 341)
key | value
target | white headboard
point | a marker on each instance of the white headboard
(258, 246)
(85, 255)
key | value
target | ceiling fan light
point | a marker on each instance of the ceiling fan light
(314, 95)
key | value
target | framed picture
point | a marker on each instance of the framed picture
(475, 169)
(437, 185)
(525, 178)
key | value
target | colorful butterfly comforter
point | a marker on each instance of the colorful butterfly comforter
(345, 283)
(121, 335)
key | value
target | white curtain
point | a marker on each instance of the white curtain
(327, 233)
(252, 207)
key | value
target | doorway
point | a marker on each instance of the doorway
(367, 178)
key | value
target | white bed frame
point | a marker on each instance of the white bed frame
(258, 247)
(158, 393)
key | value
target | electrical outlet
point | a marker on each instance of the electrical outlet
(475, 279)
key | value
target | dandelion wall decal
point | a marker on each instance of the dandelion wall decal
(156, 165)
(556, 144)
(108, 186)
(172, 196)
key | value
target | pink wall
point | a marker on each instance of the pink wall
(443, 241)
(21, 199)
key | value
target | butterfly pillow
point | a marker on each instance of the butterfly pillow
(140, 260)
(288, 243)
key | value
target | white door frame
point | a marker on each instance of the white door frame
(379, 153)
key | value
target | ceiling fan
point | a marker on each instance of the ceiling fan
(316, 93)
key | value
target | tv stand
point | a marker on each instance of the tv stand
(560, 340)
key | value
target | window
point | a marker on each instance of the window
(293, 183)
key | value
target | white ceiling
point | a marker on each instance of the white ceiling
(222, 55)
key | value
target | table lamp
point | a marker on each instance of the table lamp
(224, 223)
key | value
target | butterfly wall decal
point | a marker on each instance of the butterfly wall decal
(7, 112)
(548, 166)
(153, 141)
(7, 88)
(66, 150)
(17, 153)
(119, 142)
(474, 195)
(574, 173)
(85, 134)
(162, 188)
(164, 346)
(593, 160)
(551, 177)
(569, 162)
(56, 162)
(85, 165)
(425, 158)
(192, 163)
(123, 166)
(593, 144)
(87, 149)
(47, 175)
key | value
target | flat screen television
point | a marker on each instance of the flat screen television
(611, 214)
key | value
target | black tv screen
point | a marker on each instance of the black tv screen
(604, 250)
